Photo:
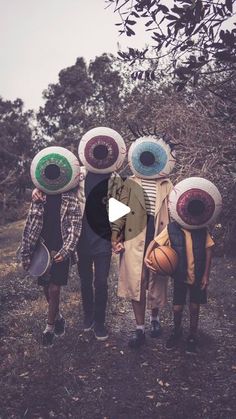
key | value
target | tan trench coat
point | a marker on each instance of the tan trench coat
(131, 260)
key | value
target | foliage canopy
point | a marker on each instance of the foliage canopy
(198, 37)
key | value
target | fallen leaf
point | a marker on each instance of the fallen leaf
(144, 364)
(24, 374)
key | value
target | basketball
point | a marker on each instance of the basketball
(164, 260)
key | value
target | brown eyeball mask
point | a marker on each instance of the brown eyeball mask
(102, 150)
(194, 203)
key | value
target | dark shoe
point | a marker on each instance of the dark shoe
(60, 327)
(47, 339)
(88, 323)
(100, 331)
(137, 340)
(156, 329)
(173, 340)
(191, 345)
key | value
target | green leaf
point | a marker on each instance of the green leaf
(149, 23)
(129, 31)
(171, 17)
(131, 22)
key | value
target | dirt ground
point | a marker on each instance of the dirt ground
(82, 378)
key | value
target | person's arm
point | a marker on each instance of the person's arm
(118, 226)
(25, 243)
(117, 244)
(206, 275)
(152, 245)
(161, 240)
(74, 230)
(31, 233)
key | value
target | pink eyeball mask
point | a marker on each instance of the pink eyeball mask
(55, 170)
(102, 150)
(195, 203)
(151, 158)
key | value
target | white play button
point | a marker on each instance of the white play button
(116, 210)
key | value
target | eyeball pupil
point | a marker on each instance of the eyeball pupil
(147, 158)
(196, 207)
(100, 152)
(52, 171)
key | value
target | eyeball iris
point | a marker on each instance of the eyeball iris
(195, 207)
(150, 158)
(102, 150)
(195, 202)
(55, 170)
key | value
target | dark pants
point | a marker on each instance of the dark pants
(94, 286)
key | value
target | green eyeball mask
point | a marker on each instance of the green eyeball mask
(55, 170)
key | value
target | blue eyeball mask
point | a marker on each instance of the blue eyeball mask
(102, 150)
(150, 158)
(55, 170)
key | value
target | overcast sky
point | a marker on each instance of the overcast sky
(40, 37)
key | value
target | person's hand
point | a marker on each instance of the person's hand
(37, 195)
(148, 264)
(57, 258)
(26, 266)
(204, 282)
(117, 247)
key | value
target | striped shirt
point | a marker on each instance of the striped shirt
(149, 189)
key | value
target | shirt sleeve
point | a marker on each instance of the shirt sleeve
(119, 224)
(209, 241)
(163, 238)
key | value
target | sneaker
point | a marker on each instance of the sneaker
(100, 331)
(88, 323)
(47, 339)
(191, 345)
(173, 340)
(156, 329)
(60, 327)
(137, 340)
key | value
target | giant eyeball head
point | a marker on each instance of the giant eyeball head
(55, 170)
(194, 203)
(102, 150)
(151, 159)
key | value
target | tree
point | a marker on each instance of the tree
(17, 148)
(193, 33)
(85, 96)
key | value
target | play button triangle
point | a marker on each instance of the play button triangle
(116, 210)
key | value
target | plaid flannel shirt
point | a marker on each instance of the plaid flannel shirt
(70, 228)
